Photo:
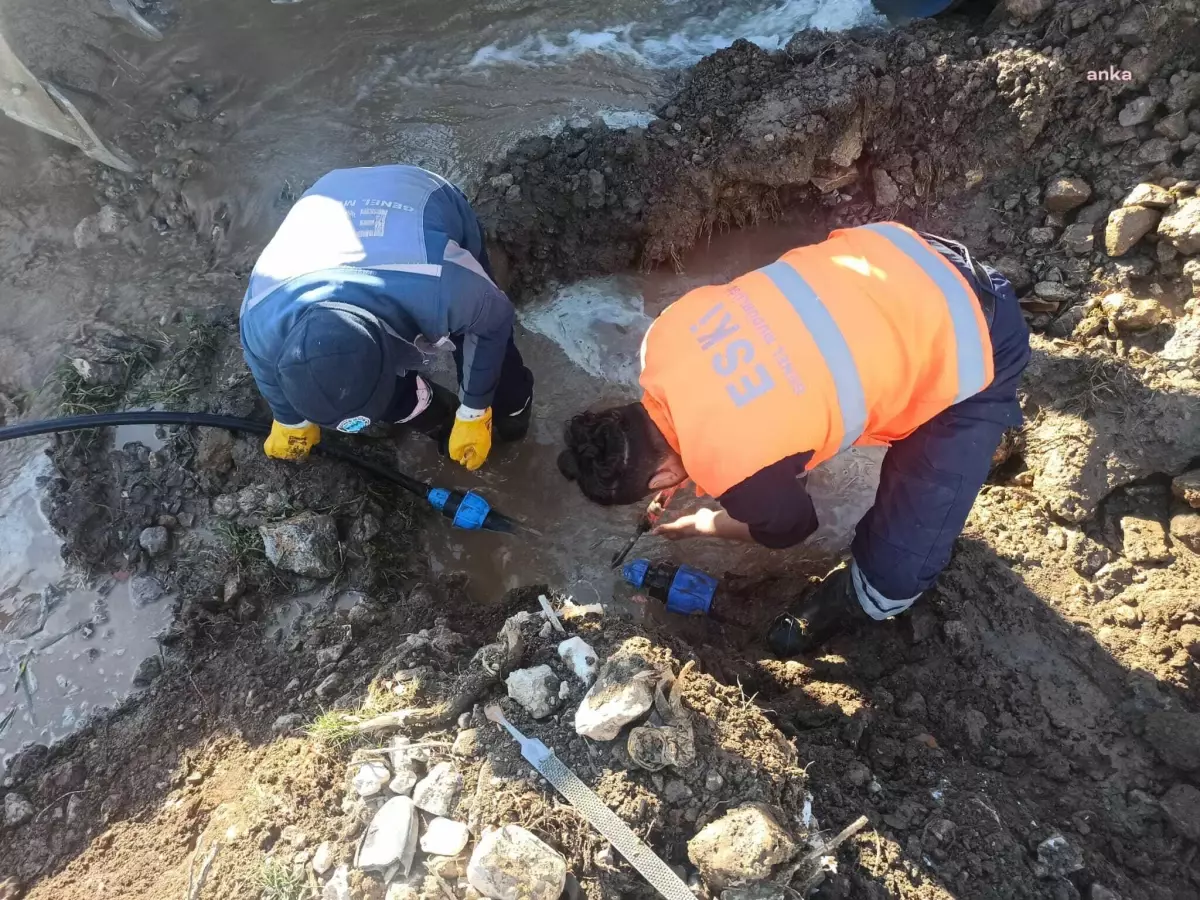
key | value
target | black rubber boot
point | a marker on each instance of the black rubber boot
(437, 419)
(829, 608)
(513, 426)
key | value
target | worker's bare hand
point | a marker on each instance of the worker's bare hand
(701, 523)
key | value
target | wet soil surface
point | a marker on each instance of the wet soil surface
(1029, 729)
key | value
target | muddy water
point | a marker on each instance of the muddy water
(67, 646)
(582, 343)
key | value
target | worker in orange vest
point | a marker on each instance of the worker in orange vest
(876, 336)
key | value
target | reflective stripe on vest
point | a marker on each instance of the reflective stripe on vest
(833, 346)
(960, 302)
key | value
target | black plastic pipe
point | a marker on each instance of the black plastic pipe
(448, 502)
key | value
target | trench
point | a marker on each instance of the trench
(447, 92)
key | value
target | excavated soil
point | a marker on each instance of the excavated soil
(1042, 695)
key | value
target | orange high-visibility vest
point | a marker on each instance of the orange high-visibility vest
(857, 340)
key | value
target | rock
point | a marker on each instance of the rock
(1100, 892)
(1185, 93)
(1185, 529)
(511, 863)
(445, 837)
(437, 792)
(287, 722)
(1053, 291)
(467, 743)
(757, 892)
(580, 657)
(403, 782)
(1137, 112)
(1126, 226)
(1079, 239)
(327, 656)
(1182, 806)
(17, 810)
(1173, 127)
(1132, 314)
(214, 450)
(1042, 236)
(154, 540)
(1026, 10)
(234, 587)
(1181, 226)
(1145, 540)
(1155, 151)
(913, 706)
(1175, 736)
(1149, 195)
(887, 193)
(338, 885)
(391, 838)
(1187, 488)
(1012, 269)
(370, 778)
(857, 773)
(225, 506)
(144, 590)
(322, 860)
(1111, 135)
(741, 847)
(623, 692)
(1057, 858)
(10, 889)
(1064, 194)
(148, 669)
(306, 544)
(330, 686)
(364, 529)
(536, 690)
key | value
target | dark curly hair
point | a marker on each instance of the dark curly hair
(613, 454)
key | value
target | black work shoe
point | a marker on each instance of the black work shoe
(829, 608)
(436, 420)
(512, 427)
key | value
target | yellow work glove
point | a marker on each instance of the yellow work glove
(471, 439)
(292, 442)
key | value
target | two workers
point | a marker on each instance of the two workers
(877, 336)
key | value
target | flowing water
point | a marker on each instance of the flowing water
(268, 96)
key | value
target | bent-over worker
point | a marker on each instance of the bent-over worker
(371, 271)
(876, 336)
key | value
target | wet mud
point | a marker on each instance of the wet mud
(1021, 733)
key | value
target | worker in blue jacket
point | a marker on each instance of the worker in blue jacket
(374, 270)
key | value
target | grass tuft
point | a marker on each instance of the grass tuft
(333, 728)
(279, 881)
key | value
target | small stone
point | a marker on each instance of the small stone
(144, 590)
(225, 506)
(1100, 892)
(437, 793)
(17, 810)
(445, 837)
(365, 529)
(1079, 239)
(511, 863)
(327, 656)
(1111, 135)
(1181, 226)
(306, 544)
(1187, 488)
(623, 692)
(1132, 314)
(1155, 151)
(154, 540)
(403, 782)
(1175, 736)
(466, 743)
(322, 860)
(1149, 195)
(1126, 226)
(1057, 858)
(1053, 291)
(148, 669)
(1137, 112)
(338, 885)
(294, 837)
(214, 450)
(1182, 806)
(1173, 127)
(391, 838)
(370, 779)
(1026, 10)
(913, 707)
(740, 848)
(330, 686)
(1145, 540)
(580, 658)
(1064, 194)
(1012, 269)
(287, 722)
(536, 690)
(1185, 93)
(887, 192)
(234, 587)
(713, 782)
(1185, 530)
(1042, 236)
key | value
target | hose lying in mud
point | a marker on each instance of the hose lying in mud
(465, 510)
